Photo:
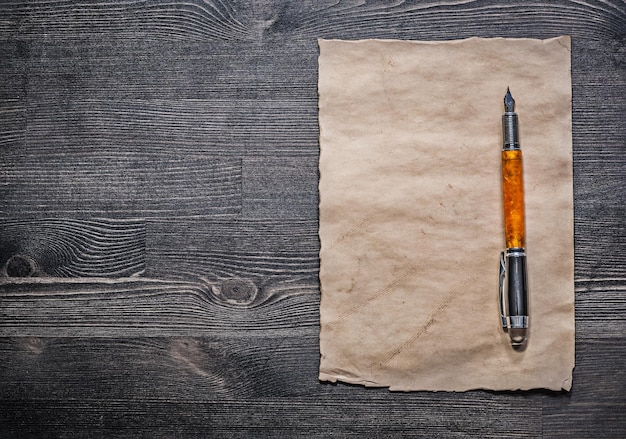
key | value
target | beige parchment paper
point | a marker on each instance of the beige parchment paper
(411, 222)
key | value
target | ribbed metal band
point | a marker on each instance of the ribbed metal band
(516, 251)
(510, 131)
(518, 322)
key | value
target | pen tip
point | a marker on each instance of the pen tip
(509, 102)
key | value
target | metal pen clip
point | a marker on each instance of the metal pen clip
(501, 294)
(513, 294)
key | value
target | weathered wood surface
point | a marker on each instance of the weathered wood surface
(158, 221)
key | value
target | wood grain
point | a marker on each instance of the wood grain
(244, 386)
(600, 309)
(225, 371)
(64, 247)
(271, 417)
(118, 185)
(149, 307)
(597, 398)
(158, 168)
(167, 126)
(246, 248)
(267, 196)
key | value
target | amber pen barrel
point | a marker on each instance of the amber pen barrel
(513, 198)
(513, 277)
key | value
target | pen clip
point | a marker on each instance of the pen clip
(501, 299)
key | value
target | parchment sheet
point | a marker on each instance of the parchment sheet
(411, 220)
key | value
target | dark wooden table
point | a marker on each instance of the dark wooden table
(158, 235)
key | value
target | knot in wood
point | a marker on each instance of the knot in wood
(34, 345)
(20, 266)
(238, 291)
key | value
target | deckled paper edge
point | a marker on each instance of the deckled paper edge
(566, 39)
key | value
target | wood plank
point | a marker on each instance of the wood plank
(124, 69)
(228, 386)
(65, 247)
(272, 417)
(598, 132)
(145, 307)
(278, 18)
(183, 368)
(126, 19)
(169, 127)
(117, 184)
(449, 20)
(234, 369)
(148, 307)
(250, 249)
(187, 81)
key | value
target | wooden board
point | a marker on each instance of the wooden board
(158, 221)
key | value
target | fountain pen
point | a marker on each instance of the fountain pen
(513, 284)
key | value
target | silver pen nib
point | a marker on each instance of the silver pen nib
(509, 102)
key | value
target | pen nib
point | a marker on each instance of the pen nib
(509, 102)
